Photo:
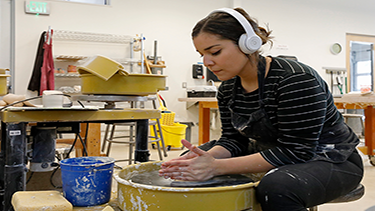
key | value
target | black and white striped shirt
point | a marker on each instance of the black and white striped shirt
(299, 104)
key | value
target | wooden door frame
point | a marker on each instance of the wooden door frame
(356, 38)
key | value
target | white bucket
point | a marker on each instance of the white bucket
(53, 98)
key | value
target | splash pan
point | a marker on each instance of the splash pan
(102, 75)
(157, 194)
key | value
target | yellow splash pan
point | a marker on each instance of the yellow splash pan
(101, 75)
(3, 81)
(135, 196)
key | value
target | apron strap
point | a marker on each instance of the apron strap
(261, 75)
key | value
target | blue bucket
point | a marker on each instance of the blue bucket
(87, 181)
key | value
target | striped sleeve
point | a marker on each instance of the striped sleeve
(301, 112)
(230, 138)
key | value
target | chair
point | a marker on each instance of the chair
(62, 151)
(353, 195)
(355, 116)
(155, 138)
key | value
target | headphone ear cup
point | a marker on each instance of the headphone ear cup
(249, 45)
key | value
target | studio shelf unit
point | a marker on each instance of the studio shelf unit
(73, 48)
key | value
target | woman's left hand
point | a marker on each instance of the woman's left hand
(197, 166)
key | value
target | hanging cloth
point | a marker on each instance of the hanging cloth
(47, 79)
(34, 83)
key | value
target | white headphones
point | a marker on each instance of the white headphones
(249, 42)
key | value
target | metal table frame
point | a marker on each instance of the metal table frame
(13, 158)
(369, 110)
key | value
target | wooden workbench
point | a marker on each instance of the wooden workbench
(366, 102)
(13, 158)
(205, 104)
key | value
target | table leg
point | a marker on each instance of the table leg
(13, 169)
(92, 138)
(204, 123)
(369, 130)
(141, 152)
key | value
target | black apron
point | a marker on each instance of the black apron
(257, 126)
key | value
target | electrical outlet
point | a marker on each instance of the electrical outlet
(184, 84)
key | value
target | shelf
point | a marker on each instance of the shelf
(334, 69)
(69, 58)
(72, 92)
(73, 75)
(90, 37)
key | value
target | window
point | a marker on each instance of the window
(361, 65)
(360, 62)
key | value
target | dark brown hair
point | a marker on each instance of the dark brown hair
(227, 27)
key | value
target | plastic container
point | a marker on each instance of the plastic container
(173, 134)
(167, 118)
(87, 181)
(133, 84)
(101, 75)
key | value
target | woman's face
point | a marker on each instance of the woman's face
(221, 56)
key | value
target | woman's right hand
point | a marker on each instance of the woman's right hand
(194, 166)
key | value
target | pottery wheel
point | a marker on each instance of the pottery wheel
(153, 178)
(110, 100)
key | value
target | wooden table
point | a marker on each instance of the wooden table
(366, 102)
(13, 157)
(205, 104)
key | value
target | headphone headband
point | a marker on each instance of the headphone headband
(249, 42)
(239, 17)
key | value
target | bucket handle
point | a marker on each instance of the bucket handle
(99, 164)
(108, 169)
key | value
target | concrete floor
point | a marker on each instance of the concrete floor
(118, 151)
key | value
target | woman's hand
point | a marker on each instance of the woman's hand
(193, 166)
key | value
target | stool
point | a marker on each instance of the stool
(62, 150)
(357, 116)
(131, 139)
(353, 195)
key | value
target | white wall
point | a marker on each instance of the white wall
(307, 28)
(5, 17)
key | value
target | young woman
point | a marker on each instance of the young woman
(277, 116)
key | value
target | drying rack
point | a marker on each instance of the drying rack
(67, 35)
(90, 37)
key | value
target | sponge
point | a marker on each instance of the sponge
(40, 200)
